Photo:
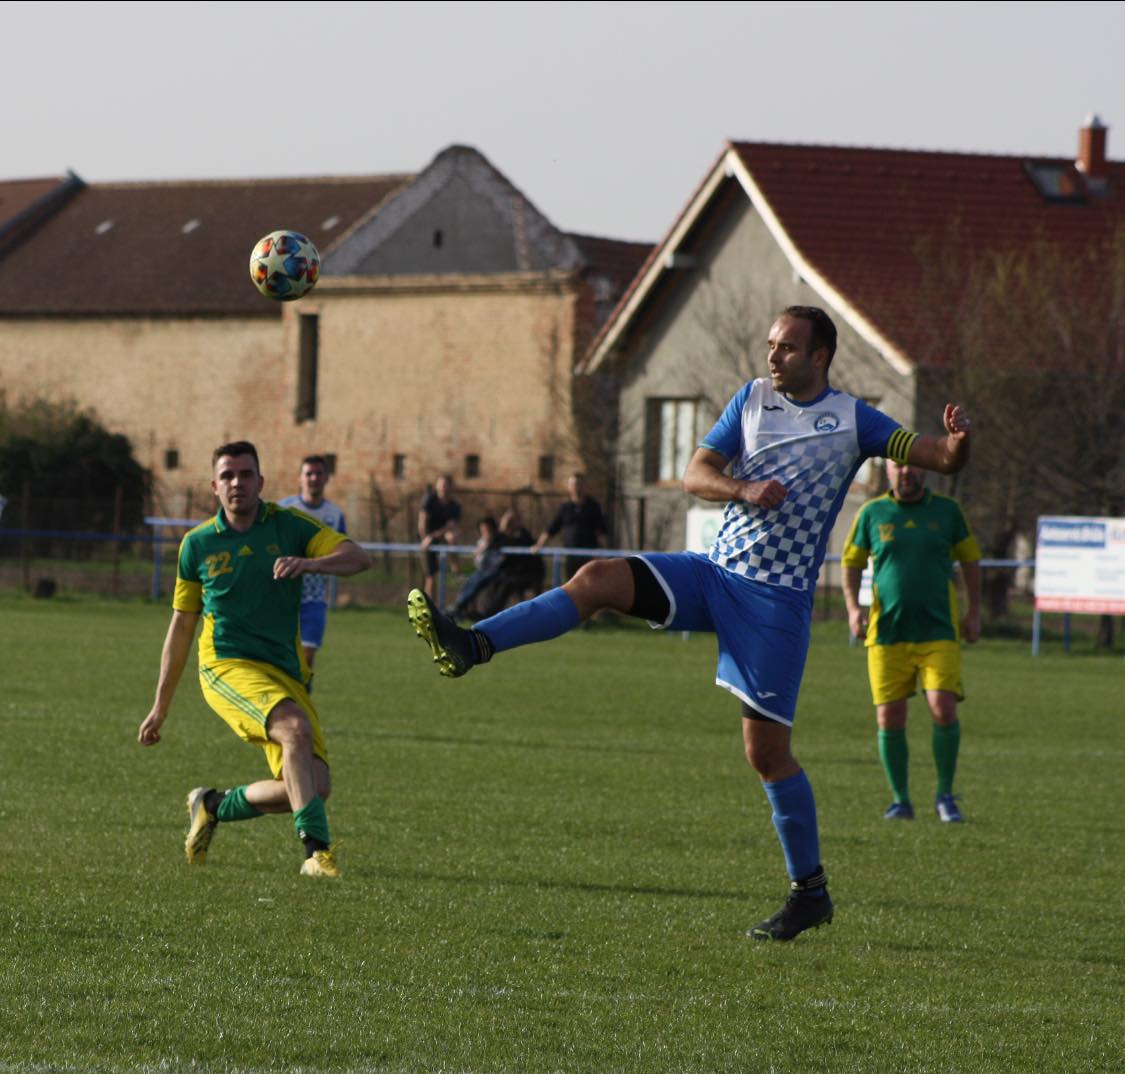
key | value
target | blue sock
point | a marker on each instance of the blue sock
(794, 817)
(539, 619)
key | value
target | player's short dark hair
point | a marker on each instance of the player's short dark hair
(315, 460)
(488, 520)
(823, 330)
(236, 447)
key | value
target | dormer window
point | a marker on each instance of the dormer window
(1056, 182)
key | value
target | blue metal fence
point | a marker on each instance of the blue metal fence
(555, 555)
(167, 531)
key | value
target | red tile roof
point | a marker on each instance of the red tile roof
(18, 195)
(617, 260)
(132, 248)
(859, 218)
(855, 220)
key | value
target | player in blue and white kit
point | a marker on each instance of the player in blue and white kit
(314, 594)
(792, 445)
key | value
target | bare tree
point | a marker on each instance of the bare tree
(731, 322)
(1036, 343)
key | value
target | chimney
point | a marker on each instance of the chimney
(1091, 160)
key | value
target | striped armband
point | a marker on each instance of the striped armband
(898, 446)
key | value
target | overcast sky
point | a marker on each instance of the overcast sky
(606, 114)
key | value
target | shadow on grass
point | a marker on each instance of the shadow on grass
(541, 884)
(555, 745)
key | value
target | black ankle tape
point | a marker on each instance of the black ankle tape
(483, 646)
(818, 879)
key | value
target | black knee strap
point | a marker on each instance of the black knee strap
(649, 599)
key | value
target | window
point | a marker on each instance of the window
(472, 466)
(171, 459)
(439, 239)
(308, 359)
(398, 467)
(546, 467)
(669, 438)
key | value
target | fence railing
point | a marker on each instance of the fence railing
(443, 552)
(165, 534)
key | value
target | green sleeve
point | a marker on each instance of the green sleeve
(310, 538)
(965, 546)
(857, 547)
(188, 594)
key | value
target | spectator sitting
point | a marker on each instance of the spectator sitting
(520, 574)
(488, 560)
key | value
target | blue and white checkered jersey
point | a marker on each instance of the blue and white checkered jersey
(814, 449)
(315, 588)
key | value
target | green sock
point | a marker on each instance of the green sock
(311, 822)
(235, 807)
(895, 755)
(947, 743)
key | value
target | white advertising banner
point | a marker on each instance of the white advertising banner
(1080, 565)
(702, 528)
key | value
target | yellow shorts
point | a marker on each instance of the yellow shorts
(894, 670)
(245, 692)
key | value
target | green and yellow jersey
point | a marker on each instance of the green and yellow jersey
(913, 546)
(228, 576)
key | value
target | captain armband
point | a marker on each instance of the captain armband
(898, 446)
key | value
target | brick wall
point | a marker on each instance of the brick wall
(431, 368)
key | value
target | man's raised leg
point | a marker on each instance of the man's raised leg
(601, 583)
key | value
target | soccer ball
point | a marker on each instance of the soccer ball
(284, 265)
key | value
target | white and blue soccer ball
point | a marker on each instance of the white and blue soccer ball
(284, 265)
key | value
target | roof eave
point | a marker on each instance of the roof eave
(866, 330)
(658, 263)
(731, 165)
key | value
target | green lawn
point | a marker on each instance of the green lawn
(549, 866)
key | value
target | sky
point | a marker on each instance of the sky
(606, 115)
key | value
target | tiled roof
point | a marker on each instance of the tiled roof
(855, 221)
(611, 266)
(18, 195)
(175, 248)
(859, 217)
(613, 259)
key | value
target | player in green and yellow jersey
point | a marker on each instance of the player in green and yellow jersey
(241, 571)
(914, 536)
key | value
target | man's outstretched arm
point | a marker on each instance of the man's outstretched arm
(345, 559)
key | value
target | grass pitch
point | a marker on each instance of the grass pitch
(549, 866)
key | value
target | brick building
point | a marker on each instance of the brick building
(442, 336)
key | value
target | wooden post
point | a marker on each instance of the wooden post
(25, 543)
(118, 501)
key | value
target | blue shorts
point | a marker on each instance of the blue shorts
(314, 618)
(762, 630)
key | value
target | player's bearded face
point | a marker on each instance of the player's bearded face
(793, 365)
(237, 484)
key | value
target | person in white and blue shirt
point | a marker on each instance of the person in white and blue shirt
(314, 594)
(792, 445)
